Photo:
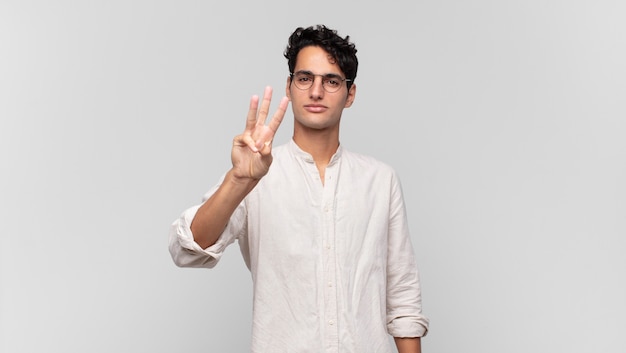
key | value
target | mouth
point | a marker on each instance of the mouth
(315, 108)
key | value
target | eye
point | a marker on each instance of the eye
(332, 81)
(304, 78)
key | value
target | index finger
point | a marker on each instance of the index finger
(279, 115)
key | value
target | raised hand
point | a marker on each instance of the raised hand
(252, 151)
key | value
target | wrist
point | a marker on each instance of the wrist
(244, 184)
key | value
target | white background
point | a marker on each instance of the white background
(505, 119)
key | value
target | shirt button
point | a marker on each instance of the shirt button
(331, 322)
(330, 284)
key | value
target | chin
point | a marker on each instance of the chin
(317, 124)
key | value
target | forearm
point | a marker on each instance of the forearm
(214, 214)
(408, 345)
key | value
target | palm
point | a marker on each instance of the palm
(251, 154)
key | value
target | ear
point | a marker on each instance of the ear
(287, 90)
(351, 96)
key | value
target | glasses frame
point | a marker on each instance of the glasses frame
(325, 76)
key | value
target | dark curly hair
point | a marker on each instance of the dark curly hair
(340, 49)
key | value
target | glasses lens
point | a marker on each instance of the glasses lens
(303, 81)
(332, 84)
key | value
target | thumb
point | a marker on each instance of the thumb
(265, 148)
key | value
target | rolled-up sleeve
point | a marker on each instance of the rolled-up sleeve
(404, 301)
(186, 252)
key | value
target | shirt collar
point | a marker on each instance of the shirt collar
(300, 153)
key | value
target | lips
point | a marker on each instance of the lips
(315, 108)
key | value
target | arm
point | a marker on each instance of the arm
(408, 345)
(251, 156)
(404, 301)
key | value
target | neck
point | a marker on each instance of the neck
(320, 146)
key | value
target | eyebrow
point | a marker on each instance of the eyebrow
(328, 75)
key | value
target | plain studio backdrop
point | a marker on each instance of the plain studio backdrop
(506, 121)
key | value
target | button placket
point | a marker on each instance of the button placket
(329, 261)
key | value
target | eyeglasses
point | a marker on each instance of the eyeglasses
(304, 80)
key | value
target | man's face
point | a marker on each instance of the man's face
(315, 107)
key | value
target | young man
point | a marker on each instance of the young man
(323, 230)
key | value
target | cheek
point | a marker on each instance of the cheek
(295, 94)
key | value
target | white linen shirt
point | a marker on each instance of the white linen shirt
(332, 264)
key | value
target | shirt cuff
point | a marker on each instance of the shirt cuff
(408, 327)
(184, 249)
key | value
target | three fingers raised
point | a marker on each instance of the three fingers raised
(257, 133)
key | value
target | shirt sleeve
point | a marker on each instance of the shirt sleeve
(404, 299)
(186, 252)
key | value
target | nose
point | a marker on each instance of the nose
(317, 88)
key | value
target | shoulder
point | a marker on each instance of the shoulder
(366, 167)
(363, 161)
